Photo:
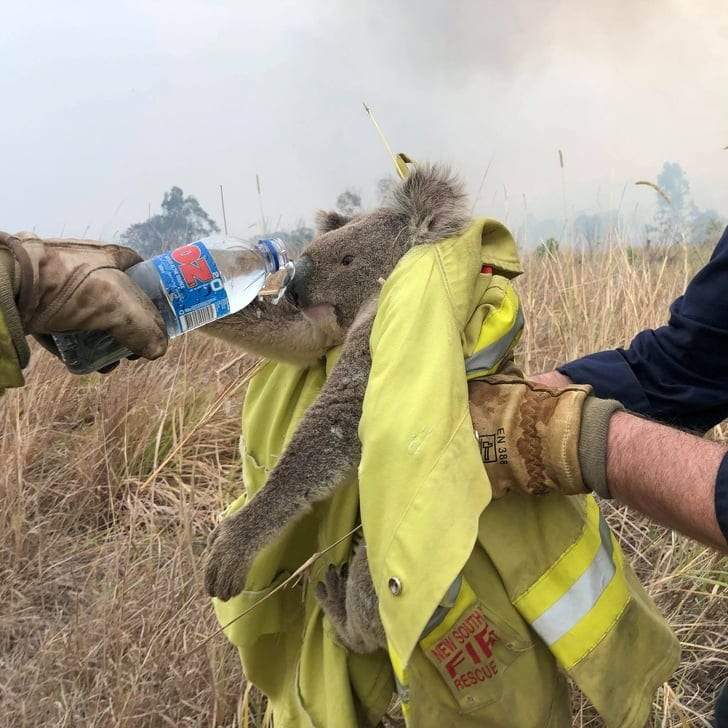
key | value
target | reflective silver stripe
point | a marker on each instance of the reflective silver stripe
(491, 355)
(446, 604)
(564, 614)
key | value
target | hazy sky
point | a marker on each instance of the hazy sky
(105, 105)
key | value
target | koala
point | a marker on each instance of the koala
(332, 300)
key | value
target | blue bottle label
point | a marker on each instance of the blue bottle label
(193, 284)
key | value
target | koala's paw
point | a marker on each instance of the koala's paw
(331, 594)
(231, 550)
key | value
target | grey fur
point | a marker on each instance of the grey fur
(348, 598)
(336, 286)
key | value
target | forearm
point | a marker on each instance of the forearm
(666, 474)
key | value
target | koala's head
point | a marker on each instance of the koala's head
(344, 265)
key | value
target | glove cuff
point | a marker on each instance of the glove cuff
(592, 448)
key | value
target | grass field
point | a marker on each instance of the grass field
(111, 484)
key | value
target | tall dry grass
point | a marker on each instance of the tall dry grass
(110, 485)
(100, 593)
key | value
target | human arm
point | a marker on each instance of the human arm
(676, 478)
(678, 374)
(566, 440)
(669, 475)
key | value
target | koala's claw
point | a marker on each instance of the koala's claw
(228, 560)
(321, 593)
(331, 592)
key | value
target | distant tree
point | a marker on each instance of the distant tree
(385, 185)
(295, 239)
(299, 237)
(548, 248)
(596, 227)
(673, 213)
(349, 203)
(678, 219)
(182, 220)
(706, 226)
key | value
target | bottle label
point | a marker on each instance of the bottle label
(193, 285)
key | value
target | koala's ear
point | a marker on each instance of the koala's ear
(432, 202)
(331, 220)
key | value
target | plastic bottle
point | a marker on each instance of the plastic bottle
(191, 286)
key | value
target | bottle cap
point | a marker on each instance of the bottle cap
(277, 250)
(278, 254)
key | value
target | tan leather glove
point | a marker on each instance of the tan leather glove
(64, 284)
(539, 440)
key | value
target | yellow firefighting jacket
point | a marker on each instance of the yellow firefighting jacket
(10, 372)
(549, 571)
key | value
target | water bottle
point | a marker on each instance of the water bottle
(191, 286)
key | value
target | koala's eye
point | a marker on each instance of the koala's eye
(347, 260)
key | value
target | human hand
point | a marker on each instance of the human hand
(65, 284)
(538, 438)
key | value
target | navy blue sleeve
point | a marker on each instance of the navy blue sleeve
(679, 372)
(721, 513)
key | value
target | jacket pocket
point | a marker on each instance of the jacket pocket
(265, 611)
(472, 648)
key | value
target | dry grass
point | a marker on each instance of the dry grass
(100, 591)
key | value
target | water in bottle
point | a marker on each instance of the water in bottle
(191, 286)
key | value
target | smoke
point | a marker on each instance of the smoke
(438, 42)
(120, 103)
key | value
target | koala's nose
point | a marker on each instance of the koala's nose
(296, 288)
